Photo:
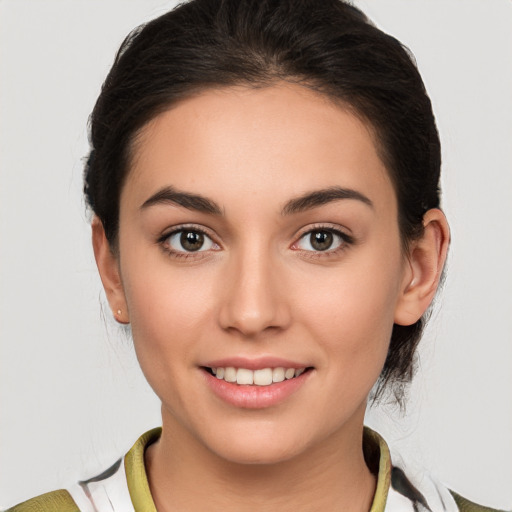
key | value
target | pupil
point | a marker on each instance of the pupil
(191, 240)
(321, 240)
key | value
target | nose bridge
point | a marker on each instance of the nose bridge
(252, 302)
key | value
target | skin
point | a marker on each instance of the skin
(259, 289)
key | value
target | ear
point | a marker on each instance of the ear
(426, 260)
(108, 267)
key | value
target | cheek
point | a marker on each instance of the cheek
(168, 308)
(155, 304)
(351, 312)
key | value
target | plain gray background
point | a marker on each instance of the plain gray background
(71, 395)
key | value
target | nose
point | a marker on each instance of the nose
(253, 299)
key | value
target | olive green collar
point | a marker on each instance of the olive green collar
(136, 478)
(372, 441)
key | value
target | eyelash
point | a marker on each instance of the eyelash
(163, 242)
(345, 241)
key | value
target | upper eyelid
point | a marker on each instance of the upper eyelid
(335, 228)
(347, 239)
(186, 227)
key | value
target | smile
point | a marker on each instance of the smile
(261, 377)
(256, 384)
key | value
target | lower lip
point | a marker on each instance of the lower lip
(255, 397)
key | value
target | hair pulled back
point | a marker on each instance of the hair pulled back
(329, 46)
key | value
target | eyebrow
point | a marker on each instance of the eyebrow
(170, 195)
(318, 198)
(308, 201)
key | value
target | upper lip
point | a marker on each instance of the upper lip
(254, 363)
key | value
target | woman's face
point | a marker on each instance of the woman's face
(258, 230)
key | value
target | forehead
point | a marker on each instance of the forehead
(277, 141)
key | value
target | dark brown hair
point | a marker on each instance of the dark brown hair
(329, 46)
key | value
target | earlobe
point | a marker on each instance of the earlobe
(108, 268)
(426, 260)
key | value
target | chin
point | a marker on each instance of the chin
(267, 453)
(259, 444)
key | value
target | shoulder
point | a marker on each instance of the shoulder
(406, 486)
(56, 501)
(465, 505)
(123, 487)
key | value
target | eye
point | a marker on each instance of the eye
(190, 240)
(321, 240)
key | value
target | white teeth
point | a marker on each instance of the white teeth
(289, 373)
(278, 375)
(244, 376)
(229, 374)
(262, 377)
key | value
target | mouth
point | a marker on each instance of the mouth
(260, 377)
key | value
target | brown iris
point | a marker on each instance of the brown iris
(191, 240)
(321, 240)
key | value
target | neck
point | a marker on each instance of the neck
(185, 476)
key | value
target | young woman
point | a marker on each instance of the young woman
(264, 178)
